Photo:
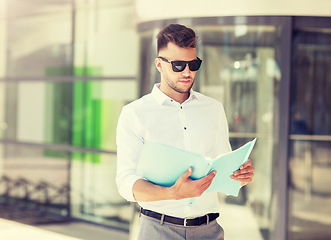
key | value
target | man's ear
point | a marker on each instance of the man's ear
(158, 64)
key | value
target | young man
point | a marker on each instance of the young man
(175, 115)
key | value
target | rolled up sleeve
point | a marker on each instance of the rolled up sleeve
(129, 147)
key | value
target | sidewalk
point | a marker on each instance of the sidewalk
(10, 230)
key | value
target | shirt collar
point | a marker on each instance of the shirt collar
(161, 97)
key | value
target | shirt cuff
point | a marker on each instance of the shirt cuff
(125, 188)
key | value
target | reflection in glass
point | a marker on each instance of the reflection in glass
(94, 194)
(105, 40)
(310, 194)
(96, 108)
(37, 179)
(241, 70)
(147, 71)
(310, 145)
(3, 124)
(55, 41)
(40, 112)
(34, 183)
(39, 45)
(311, 105)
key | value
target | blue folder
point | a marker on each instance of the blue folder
(163, 165)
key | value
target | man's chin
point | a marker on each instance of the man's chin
(181, 86)
(186, 86)
(183, 89)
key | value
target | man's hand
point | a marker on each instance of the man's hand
(244, 174)
(185, 187)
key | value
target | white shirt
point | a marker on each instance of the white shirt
(198, 125)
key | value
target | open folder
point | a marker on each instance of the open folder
(163, 165)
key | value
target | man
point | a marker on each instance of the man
(175, 115)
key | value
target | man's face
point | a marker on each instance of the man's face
(176, 82)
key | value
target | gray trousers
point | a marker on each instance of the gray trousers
(151, 229)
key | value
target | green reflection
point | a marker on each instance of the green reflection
(95, 115)
(88, 71)
(86, 120)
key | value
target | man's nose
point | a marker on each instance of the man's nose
(186, 71)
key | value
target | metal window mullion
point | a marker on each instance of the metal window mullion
(281, 231)
(66, 78)
(57, 147)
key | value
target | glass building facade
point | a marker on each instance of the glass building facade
(66, 70)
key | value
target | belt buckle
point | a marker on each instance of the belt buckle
(185, 221)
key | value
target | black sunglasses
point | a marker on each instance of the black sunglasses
(179, 66)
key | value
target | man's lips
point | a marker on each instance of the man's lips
(185, 81)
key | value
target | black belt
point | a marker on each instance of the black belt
(181, 221)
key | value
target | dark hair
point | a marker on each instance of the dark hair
(178, 34)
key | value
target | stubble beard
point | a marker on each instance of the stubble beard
(173, 86)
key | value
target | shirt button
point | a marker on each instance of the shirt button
(171, 100)
(184, 128)
(181, 107)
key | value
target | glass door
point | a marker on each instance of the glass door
(241, 70)
(310, 135)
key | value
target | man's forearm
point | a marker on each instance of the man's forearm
(145, 191)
